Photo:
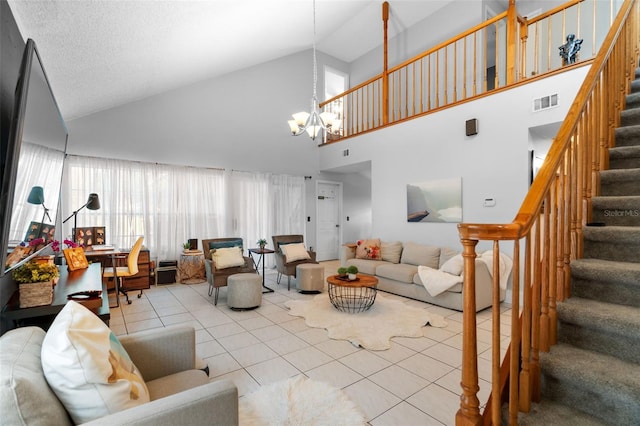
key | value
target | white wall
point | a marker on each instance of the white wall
(492, 164)
(238, 121)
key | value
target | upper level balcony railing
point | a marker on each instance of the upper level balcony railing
(496, 54)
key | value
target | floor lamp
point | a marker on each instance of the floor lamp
(93, 203)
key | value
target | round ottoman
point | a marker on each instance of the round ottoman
(310, 277)
(244, 291)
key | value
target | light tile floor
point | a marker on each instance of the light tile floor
(416, 382)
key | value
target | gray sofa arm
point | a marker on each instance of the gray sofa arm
(213, 403)
(163, 351)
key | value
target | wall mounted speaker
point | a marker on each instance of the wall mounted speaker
(471, 127)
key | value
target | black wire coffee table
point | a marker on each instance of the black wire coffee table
(352, 295)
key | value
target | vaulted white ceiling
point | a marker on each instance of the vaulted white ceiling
(99, 54)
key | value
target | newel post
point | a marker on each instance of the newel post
(385, 65)
(469, 412)
(512, 30)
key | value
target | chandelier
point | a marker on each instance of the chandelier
(315, 121)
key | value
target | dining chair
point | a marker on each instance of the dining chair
(119, 273)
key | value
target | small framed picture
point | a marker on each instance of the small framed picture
(47, 232)
(84, 236)
(75, 258)
(33, 231)
(18, 253)
(99, 235)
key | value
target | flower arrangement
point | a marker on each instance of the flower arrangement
(35, 272)
(261, 243)
(55, 246)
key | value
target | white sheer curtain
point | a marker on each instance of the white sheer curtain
(170, 204)
(38, 166)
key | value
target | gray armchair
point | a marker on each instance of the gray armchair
(166, 358)
(283, 266)
(218, 277)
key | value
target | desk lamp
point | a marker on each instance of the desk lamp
(93, 203)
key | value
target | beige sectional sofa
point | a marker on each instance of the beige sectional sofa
(397, 273)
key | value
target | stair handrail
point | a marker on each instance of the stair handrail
(549, 226)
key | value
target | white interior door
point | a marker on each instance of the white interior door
(328, 206)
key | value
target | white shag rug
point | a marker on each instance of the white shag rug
(370, 329)
(299, 401)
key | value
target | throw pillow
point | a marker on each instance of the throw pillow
(391, 252)
(453, 266)
(88, 368)
(228, 257)
(368, 249)
(295, 251)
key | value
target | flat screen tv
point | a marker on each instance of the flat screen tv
(34, 157)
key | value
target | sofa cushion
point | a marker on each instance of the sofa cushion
(399, 272)
(88, 368)
(457, 288)
(366, 266)
(176, 383)
(25, 396)
(228, 257)
(418, 254)
(368, 249)
(294, 251)
(446, 253)
(391, 251)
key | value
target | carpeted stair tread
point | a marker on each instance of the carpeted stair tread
(600, 385)
(632, 100)
(607, 176)
(635, 86)
(630, 117)
(616, 210)
(606, 328)
(606, 271)
(553, 414)
(624, 157)
(618, 243)
(627, 136)
(620, 182)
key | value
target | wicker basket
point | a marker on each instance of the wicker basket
(36, 294)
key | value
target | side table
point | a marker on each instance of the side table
(191, 267)
(261, 252)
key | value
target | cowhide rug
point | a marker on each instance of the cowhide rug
(371, 329)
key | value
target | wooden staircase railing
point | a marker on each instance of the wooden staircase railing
(506, 49)
(546, 233)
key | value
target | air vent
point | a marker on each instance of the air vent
(545, 102)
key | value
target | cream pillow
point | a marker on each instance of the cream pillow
(293, 252)
(227, 257)
(453, 266)
(87, 366)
